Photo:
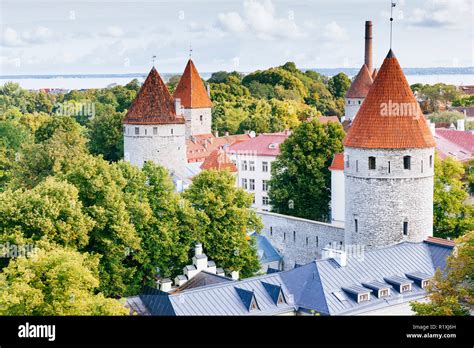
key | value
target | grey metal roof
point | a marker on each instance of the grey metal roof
(376, 285)
(356, 289)
(200, 256)
(211, 264)
(397, 280)
(419, 275)
(266, 251)
(190, 267)
(439, 253)
(315, 286)
(202, 279)
(182, 277)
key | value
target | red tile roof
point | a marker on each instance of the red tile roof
(390, 117)
(468, 89)
(219, 160)
(153, 104)
(337, 162)
(440, 241)
(266, 144)
(454, 143)
(466, 110)
(361, 84)
(191, 89)
(199, 147)
(324, 119)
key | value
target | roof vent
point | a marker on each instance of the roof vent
(248, 299)
(273, 146)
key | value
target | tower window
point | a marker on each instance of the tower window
(200, 118)
(406, 162)
(371, 163)
(348, 164)
(294, 236)
(306, 240)
(317, 241)
(137, 131)
(348, 102)
(357, 165)
(359, 102)
(422, 166)
(431, 161)
(271, 230)
(356, 225)
(155, 130)
(389, 167)
(145, 131)
(172, 131)
(405, 228)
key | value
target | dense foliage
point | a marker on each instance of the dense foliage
(301, 181)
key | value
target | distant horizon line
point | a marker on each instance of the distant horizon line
(408, 71)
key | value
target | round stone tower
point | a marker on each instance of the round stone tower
(389, 165)
(154, 129)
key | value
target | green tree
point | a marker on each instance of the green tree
(339, 84)
(300, 184)
(106, 135)
(225, 219)
(445, 116)
(54, 281)
(452, 216)
(451, 292)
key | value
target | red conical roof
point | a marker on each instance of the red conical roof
(153, 103)
(361, 84)
(191, 89)
(390, 117)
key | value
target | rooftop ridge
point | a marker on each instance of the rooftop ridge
(191, 89)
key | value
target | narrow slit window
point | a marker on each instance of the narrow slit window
(431, 161)
(405, 228)
(294, 236)
(371, 163)
(407, 162)
(356, 224)
(422, 166)
(389, 167)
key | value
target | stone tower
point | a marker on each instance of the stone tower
(389, 165)
(364, 79)
(154, 129)
(195, 101)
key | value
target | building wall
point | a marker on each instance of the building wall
(194, 124)
(258, 175)
(337, 198)
(351, 107)
(298, 240)
(167, 147)
(381, 200)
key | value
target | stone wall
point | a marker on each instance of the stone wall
(379, 201)
(298, 240)
(163, 144)
(194, 124)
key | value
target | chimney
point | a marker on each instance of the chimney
(368, 46)
(226, 134)
(340, 256)
(216, 134)
(198, 249)
(432, 126)
(460, 125)
(234, 275)
(177, 106)
(165, 285)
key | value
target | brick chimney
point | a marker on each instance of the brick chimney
(368, 46)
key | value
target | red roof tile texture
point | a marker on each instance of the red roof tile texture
(440, 241)
(337, 162)
(191, 89)
(360, 86)
(390, 117)
(153, 104)
(266, 144)
(219, 160)
(199, 147)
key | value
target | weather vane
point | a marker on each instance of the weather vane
(153, 59)
(190, 51)
(392, 5)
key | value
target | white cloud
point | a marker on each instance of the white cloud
(231, 22)
(260, 19)
(113, 31)
(440, 13)
(39, 35)
(334, 32)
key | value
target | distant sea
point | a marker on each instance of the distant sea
(455, 76)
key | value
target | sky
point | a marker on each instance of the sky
(121, 36)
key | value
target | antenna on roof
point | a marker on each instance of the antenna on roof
(392, 5)
(153, 58)
(190, 51)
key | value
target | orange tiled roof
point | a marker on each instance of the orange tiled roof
(390, 117)
(337, 162)
(361, 84)
(440, 241)
(191, 89)
(199, 147)
(219, 160)
(153, 103)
